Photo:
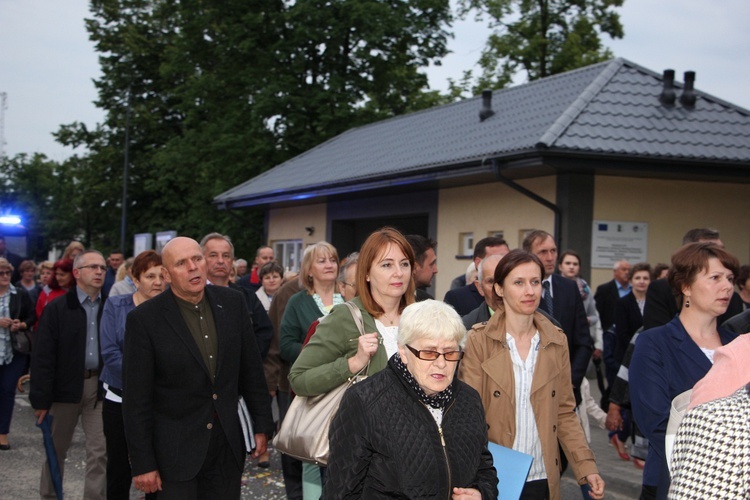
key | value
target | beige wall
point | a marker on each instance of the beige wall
(671, 208)
(484, 208)
(290, 223)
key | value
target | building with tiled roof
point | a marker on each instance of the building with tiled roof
(611, 142)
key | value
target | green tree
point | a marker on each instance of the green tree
(221, 91)
(42, 191)
(542, 37)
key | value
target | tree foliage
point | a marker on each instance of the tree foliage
(43, 192)
(542, 37)
(221, 91)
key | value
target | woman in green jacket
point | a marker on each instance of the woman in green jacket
(337, 351)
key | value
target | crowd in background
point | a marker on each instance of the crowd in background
(524, 324)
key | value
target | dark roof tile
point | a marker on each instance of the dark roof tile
(609, 108)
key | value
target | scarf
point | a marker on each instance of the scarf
(438, 401)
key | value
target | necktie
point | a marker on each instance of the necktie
(546, 298)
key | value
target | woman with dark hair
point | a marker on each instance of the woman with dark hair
(670, 359)
(337, 351)
(271, 278)
(519, 363)
(660, 271)
(628, 320)
(16, 313)
(629, 309)
(59, 283)
(569, 265)
(149, 282)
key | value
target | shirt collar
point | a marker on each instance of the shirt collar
(82, 296)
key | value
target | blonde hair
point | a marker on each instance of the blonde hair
(311, 253)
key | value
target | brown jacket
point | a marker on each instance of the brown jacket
(488, 368)
(277, 370)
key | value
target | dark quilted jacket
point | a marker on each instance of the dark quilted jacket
(385, 444)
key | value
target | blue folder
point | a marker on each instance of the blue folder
(512, 469)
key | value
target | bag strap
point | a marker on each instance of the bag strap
(357, 315)
(360, 322)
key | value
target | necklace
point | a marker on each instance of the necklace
(391, 322)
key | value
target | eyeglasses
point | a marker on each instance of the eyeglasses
(94, 267)
(434, 355)
(348, 284)
(5, 273)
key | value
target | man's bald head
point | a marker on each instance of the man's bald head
(184, 268)
(486, 278)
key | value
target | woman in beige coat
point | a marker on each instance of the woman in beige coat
(519, 363)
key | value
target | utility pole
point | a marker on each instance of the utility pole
(3, 107)
(125, 168)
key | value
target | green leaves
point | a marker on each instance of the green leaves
(542, 37)
(221, 91)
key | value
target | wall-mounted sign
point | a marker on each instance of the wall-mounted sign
(142, 242)
(617, 240)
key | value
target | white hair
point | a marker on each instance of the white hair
(430, 319)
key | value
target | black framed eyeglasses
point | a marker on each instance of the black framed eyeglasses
(433, 355)
(94, 267)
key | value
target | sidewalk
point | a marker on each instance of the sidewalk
(623, 479)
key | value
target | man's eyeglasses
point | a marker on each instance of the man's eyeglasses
(5, 273)
(433, 355)
(94, 267)
(348, 284)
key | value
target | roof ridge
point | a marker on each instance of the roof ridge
(570, 114)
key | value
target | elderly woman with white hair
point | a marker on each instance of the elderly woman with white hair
(413, 430)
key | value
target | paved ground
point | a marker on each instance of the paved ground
(19, 479)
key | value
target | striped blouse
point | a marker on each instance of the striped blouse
(527, 435)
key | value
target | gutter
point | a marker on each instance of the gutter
(497, 169)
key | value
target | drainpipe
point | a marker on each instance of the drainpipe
(498, 171)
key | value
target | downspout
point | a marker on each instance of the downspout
(498, 171)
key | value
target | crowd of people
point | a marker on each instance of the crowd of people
(157, 355)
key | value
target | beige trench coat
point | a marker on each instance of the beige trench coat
(488, 368)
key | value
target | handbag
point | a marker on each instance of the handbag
(20, 340)
(304, 431)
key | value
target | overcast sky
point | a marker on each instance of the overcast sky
(47, 63)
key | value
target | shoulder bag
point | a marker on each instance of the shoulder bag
(20, 340)
(304, 431)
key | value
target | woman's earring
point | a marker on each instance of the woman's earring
(687, 302)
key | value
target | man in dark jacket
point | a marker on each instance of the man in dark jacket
(425, 264)
(485, 282)
(566, 306)
(467, 298)
(65, 365)
(219, 254)
(189, 355)
(607, 294)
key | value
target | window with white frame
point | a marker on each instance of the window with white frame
(288, 254)
(466, 244)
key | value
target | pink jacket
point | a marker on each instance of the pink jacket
(731, 371)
